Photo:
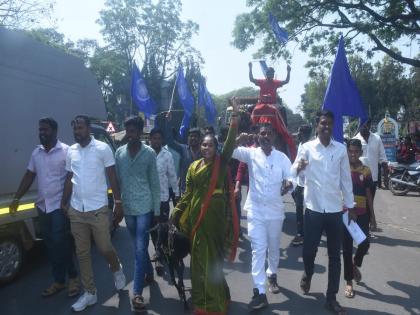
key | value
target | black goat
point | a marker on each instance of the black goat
(171, 248)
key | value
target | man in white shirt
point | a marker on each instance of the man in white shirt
(374, 152)
(167, 178)
(327, 184)
(88, 163)
(47, 165)
(269, 173)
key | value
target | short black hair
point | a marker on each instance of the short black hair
(254, 129)
(156, 131)
(270, 69)
(50, 122)
(305, 129)
(85, 119)
(324, 112)
(135, 121)
(210, 129)
(195, 130)
(355, 143)
(265, 125)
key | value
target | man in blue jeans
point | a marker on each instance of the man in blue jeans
(140, 194)
(47, 164)
(328, 188)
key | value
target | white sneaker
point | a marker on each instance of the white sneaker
(85, 300)
(119, 279)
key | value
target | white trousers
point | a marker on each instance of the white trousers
(264, 235)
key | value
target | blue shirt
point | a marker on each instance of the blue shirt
(139, 180)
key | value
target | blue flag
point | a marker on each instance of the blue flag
(204, 99)
(342, 96)
(281, 33)
(186, 99)
(264, 67)
(140, 95)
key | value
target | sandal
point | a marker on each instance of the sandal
(73, 287)
(335, 308)
(357, 275)
(53, 289)
(349, 292)
(138, 302)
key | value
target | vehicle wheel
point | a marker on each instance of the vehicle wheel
(399, 189)
(11, 259)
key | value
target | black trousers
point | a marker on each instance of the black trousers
(362, 249)
(298, 197)
(315, 224)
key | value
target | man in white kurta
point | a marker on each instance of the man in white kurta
(269, 171)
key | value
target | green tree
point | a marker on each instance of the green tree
(151, 32)
(24, 14)
(316, 26)
(313, 97)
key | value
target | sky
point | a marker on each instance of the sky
(226, 68)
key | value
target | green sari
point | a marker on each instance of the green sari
(210, 237)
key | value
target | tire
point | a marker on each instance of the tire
(399, 189)
(11, 259)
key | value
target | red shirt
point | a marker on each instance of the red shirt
(268, 88)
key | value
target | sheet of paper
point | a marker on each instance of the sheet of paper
(354, 229)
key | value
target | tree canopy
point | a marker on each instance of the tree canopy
(373, 25)
(24, 13)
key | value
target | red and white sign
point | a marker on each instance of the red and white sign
(110, 128)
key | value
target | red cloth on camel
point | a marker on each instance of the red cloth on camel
(268, 113)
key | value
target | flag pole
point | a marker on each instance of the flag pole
(172, 96)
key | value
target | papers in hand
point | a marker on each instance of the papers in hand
(354, 229)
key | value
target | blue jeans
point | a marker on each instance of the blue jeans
(55, 230)
(138, 226)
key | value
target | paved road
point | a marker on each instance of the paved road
(391, 274)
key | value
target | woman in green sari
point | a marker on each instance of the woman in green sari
(206, 213)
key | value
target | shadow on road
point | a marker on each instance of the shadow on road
(387, 241)
(410, 303)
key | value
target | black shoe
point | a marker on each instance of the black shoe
(334, 307)
(305, 283)
(273, 287)
(258, 301)
(298, 240)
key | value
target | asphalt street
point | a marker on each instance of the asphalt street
(390, 284)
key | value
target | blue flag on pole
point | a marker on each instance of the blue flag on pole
(140, 95)
(281, 33)
(342, 96)
(204, 99)
(264, 67)
(186, 99)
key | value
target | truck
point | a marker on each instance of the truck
(36, 81)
